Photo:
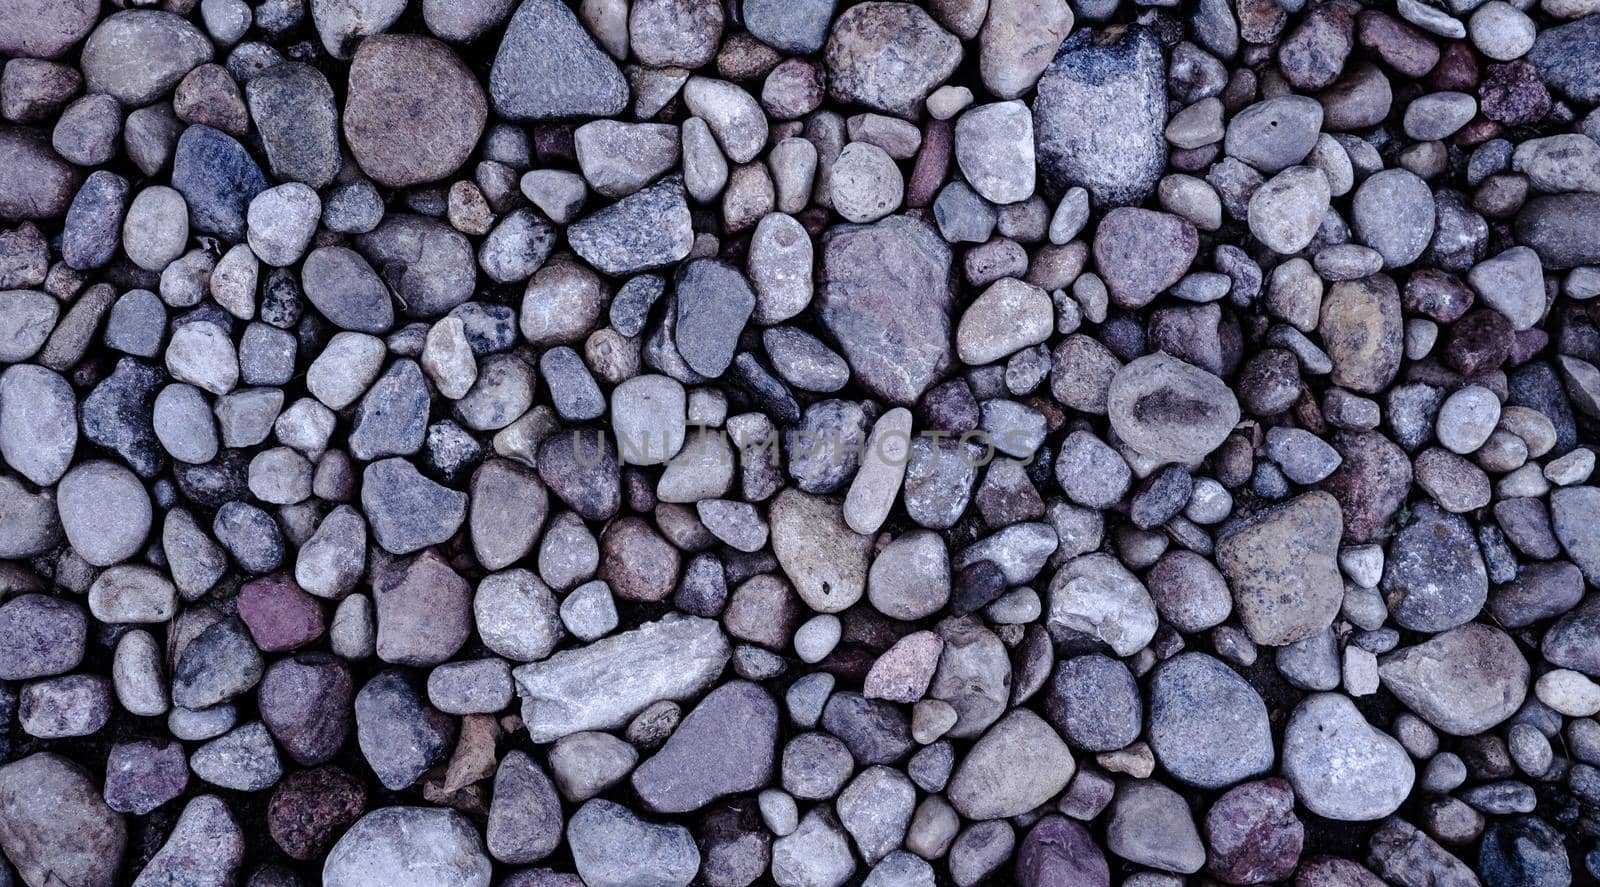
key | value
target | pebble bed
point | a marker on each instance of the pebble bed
(651, 443)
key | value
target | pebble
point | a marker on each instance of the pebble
(1392, 212)
(1439, 115)
(865, 185)
(243, 759)
(104, 511)
(37, 435)
(1341, 767)
(408, 511)
(1095, 701)
(1501, 31)
(1294, 543)
(344, 287)
(877, 483)
(994, 148)
(218, 178)
(668, 659)
(1286, 212)
(74, 836)
(137, 55)
(645, 230)
(310, 808)
(1151, 826)
(1513, 284)
(1361, 326)
(1095, 596)
(293, 107)
(713, 302)
(1208, 728)
(888, 56)
(1099, 117)
(525, 814)
(1196, 410)
(281, 223)
(1463, 681)
(401, 842)
(1434, 577)
(655, 853)
(1274, 134)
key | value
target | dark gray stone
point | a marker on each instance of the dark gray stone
(1100, 115)
(218, 178)
(549, 68)
(724, 746)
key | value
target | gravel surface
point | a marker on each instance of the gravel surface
(653, 443)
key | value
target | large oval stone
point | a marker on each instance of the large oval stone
(1169, 410)
(414, 112)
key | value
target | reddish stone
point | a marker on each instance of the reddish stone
(932, 165)
(1253, 835)
(1333, 871)
(1479, 342)
(1514, 94)
(637, 563)
(1371, 483)
(848, 663)
(1477, 132)
(743, 58)
(279, 613)
(305, 701)
(310, 808)
(1457, 69)
(1061, 853)
(1260, 21)
(1314, 53)
(1438, 294)
(424, 611)
(553, 144)
(143, 774)
(1398, 44)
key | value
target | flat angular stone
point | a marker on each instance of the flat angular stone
(1016, 766)
(645, 230)
(549, 68)
(1463, 681)
(886, 294)
(1281, 565)
(723, 746)
(601, 686)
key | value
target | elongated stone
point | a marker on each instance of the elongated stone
(603, 685)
